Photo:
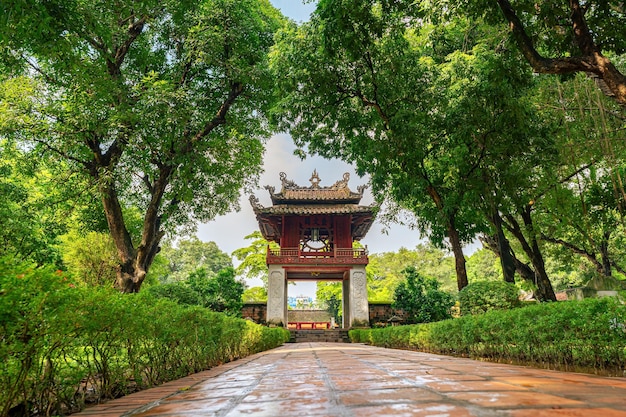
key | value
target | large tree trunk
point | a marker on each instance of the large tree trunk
(545, 292)
(134, 263)
(453, 237)
(507, 263)
(524, 271)
(604, 254)
(127, 279)
(459, 258)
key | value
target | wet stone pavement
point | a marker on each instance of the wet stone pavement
(336, 379)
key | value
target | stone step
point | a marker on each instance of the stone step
(329, 335)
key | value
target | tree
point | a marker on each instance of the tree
(333, 306)
(31, 214)
(90, 258)
(253, 258)
(329, 295)
(255, 294)
(221, 292)
(584, 215)
(385, 270)
(483, 265)
(421, 299)
(160, 104)
(559, 37)
(190, 255)
(373, 83)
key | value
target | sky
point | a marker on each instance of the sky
(229, 231)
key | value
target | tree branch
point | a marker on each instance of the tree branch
(236, 89)
(65, 155)
(580, 251)
(134, 30)
(591, 61)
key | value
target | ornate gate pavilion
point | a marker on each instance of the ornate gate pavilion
(315, 227)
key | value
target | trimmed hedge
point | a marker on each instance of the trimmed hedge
(482, 296)
(574, 335)
(62, 346)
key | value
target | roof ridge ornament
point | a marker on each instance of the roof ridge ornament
(315, 180)
(286, 183)
(341, 184)
(254, 201)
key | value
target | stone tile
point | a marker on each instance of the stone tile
(304, 407)
(197, 394)
(217, 384)
(454, 385)
(205, 407)
(411, 410)
(350, 384)
(326, 379)
(508, 399)
(387, 396)
(265, 394)
(567, 412)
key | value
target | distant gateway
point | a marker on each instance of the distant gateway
(315, 228)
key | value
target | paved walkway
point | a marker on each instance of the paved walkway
(334, 379)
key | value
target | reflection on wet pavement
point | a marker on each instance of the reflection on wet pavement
(335, 379)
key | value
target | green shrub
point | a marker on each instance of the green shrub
(63, 345)
(483, 296)
(219, 292)
(421, 299)
(178, 292)
(579, 335)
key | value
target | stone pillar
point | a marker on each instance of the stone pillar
(359, 307)
(276, 297)
(345, 304)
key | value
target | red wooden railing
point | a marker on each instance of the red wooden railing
(337, 255)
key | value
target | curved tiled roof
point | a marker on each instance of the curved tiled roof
(292, 192)
(294, 200)
(311, 209)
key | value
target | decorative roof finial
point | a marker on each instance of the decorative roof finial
(315, 180)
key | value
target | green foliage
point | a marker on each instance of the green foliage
(90, 258)
(574, 335)
(384, 271)
(179, 292)
(421, 299)
(56, 336)
(29, 221)
(254, 294)
(189, 255)
(482, 296)
(483, 265)
(219, 292)
(253, 258)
